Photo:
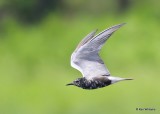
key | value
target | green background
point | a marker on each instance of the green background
(37, 38)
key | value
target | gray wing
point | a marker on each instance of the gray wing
(86, 58)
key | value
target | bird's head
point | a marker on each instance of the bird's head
(78, 82)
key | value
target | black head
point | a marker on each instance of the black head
(78, 82)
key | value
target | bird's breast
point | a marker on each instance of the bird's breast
(94, 84)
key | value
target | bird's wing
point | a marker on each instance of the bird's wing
(86, 39)
(86, 58)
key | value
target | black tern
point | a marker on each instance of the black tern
(86, 59)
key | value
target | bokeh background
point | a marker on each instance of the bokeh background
(37, 38)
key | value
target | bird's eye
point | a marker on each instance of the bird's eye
(77, 81)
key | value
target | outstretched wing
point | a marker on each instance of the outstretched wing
(86, 58)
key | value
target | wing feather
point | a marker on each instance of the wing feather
(86, 39)
(86, 58)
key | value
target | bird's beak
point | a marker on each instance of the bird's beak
(69, 84)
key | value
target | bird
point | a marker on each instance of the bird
(86, 59)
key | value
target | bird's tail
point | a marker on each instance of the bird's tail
(117, 79)
(128, 78)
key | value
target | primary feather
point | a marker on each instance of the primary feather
(86, 57)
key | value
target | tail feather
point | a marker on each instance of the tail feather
(128, 78)
(117, 79)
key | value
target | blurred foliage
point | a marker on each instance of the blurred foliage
(37, 38)
(29, 10)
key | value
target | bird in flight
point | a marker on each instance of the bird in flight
(86, 59)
